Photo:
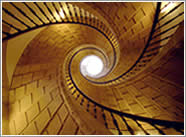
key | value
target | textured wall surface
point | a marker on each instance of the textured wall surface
(35, 103)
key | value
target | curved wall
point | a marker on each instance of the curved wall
(36, 100)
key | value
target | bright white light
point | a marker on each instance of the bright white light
(91, 65)
(170, 4)
(62, 14)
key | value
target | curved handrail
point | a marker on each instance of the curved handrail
(155, 121)
(151, 37)
(112, 39)
(85, 19)
(178, 126)
(137, 66)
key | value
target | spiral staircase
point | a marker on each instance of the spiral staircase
(140, 90)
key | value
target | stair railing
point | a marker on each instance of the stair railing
(121, 119)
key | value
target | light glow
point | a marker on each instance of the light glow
(168, 6)
(91, 65)
(62, 14)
